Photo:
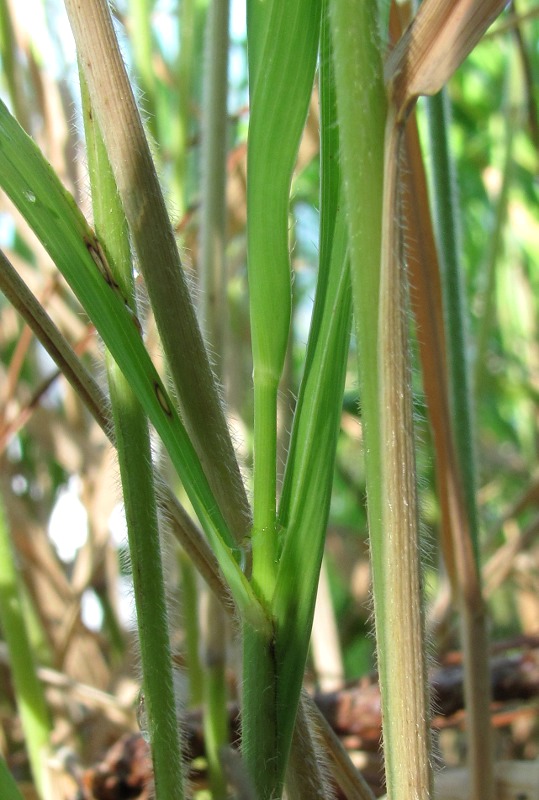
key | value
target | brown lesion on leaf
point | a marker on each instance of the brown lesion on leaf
(100, 260)
(162, 399)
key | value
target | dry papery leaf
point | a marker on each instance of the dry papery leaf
(441, 35)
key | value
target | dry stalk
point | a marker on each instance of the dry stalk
(406, 732)
(440, 36)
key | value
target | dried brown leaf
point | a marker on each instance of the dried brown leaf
(441, 35)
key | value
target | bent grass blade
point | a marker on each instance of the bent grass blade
(52, 213)
(184, 528)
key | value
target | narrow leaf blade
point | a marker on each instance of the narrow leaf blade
(54, 216)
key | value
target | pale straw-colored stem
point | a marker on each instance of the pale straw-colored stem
(401, 633)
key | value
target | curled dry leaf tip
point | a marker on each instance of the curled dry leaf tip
(441, 35)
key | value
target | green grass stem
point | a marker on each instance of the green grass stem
(136, 470)
(369, 158)
(216, 727)
(190, 615)
(361, 108)
(304, 506)
(31, 703)
(282, 50)
(8, 788)
(134, 455)
(307, 483)
(212, 307)
(214, 123)
(263, 757)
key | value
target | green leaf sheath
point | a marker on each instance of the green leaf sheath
(136, 470)
(31, 704)
(311, 473)
(304, 506)
(110, 224)
(52, 213)
(361, 111)
(282, 47)
(330, 192)
(307, 484)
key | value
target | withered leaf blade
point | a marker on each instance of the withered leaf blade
(441, 35)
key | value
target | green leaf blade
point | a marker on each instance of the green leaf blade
(53, 215)
(306, 495)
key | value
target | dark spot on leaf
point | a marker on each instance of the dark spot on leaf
(100, 260)
(162, 399)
